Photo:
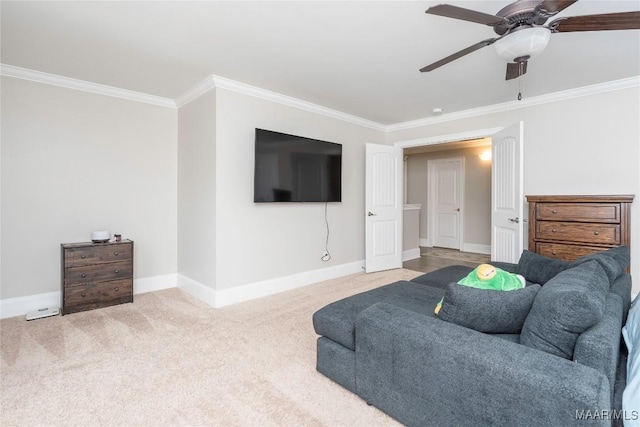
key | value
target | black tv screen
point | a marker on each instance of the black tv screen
(292, 168)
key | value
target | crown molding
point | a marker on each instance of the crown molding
(217, 82)
(69, 83)
(564, 95)
(213, 82)
(196, 91)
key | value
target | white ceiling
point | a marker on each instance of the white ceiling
(358, 57)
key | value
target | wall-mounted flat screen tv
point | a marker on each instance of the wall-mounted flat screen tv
(292, 168)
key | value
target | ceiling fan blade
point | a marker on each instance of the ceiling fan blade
(603, 22)
(466, 15)
(459, 54)
(548, 8)
(516, 69)
(555, 6)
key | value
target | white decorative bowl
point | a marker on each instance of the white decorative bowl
(100, 236)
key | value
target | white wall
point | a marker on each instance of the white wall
(75, 162)
(585, 145)
(477, 190)
(257, 242)
(197, 190)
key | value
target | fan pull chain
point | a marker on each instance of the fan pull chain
(520, 88)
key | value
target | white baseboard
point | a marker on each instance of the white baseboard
(20, 306)
(466, 247)
(154, 283)
(410, 254)
(197, 290)
(475, 248)
(264, 288)
(224, 297)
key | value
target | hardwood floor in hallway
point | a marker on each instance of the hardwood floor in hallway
(428, 263)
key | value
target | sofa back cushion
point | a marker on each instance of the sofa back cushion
(566, 306)
(538, 268)
(614, 261)
(487, 310)
(620, 254)
(599, 346)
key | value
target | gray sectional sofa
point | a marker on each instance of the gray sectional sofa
(554, 359)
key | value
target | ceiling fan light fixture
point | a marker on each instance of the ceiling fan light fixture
(525, 43)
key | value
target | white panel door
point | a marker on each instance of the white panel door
(383, 208)
(507, 195)
(447, 199)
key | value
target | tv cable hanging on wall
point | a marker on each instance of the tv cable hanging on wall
(326, 256)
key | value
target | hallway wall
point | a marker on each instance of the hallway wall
(477, 195)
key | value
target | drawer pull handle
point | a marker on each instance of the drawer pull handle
(117, 271)
(553, 230)
(596, 232)
(83, 275)
(553, 252)
(116, 253)
(83, 256)
(554, 211)
(83, 295)
(117, 289)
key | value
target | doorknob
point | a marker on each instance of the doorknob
(516, 220)
(371, 214)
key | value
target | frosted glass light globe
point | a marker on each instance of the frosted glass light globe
(528, 42)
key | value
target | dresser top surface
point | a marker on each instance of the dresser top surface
(92, 244)
(621, 198)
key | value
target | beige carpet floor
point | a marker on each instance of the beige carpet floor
(171, 360)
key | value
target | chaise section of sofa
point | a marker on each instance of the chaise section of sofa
(336, 324)
(423, 371)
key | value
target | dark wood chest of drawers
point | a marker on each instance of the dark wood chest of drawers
(96, 275)
(568, 227)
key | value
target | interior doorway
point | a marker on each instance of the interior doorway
(506, 191)
(452, 184)
(507, 195)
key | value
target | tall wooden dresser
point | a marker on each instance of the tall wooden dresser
(568, 227)
(96, 275)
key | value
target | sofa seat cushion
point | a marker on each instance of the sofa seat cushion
(488, 310)
(566, 306)
(336, 321)
(443, 276)
(514, 338)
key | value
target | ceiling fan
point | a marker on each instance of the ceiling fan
(521, 29)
